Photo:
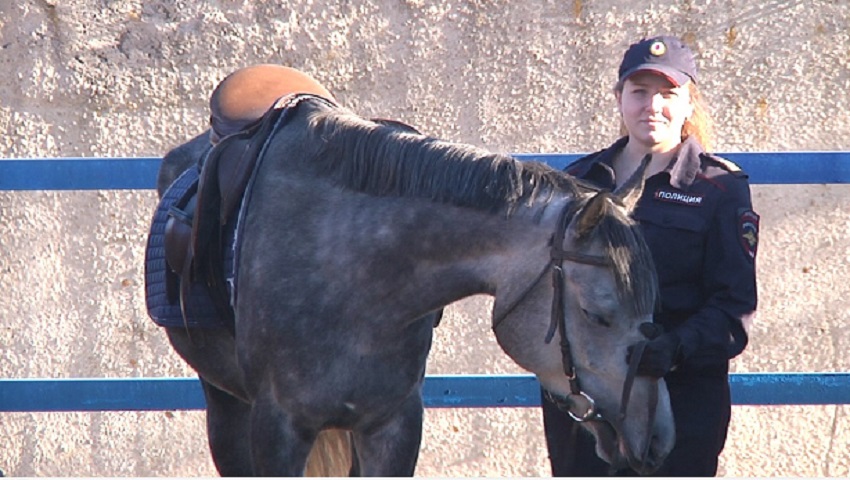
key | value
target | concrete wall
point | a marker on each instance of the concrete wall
(131, 78)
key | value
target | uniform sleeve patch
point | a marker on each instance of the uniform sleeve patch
(748, 231)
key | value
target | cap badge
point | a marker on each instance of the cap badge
(658, 48)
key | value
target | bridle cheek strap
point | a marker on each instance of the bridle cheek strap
(557, 256)
(559, 322)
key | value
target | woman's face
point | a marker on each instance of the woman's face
(654, 111)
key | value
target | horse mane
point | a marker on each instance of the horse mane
(631, 258)
(384, 160)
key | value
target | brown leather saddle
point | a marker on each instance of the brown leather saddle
(245, 108)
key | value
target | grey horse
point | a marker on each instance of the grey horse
(353, 234)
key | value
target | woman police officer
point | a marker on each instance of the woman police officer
(696, 215)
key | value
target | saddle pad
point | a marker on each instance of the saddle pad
(201, 308)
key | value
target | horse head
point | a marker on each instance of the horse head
(605, 287)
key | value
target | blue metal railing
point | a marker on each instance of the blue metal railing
(140, 173)
(440, 391)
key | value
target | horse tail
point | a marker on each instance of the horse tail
(331, 455)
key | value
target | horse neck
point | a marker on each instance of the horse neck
(460, 252)
(405, 244)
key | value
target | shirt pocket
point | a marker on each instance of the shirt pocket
(676, 238)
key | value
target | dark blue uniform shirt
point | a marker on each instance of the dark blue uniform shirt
(698, 221)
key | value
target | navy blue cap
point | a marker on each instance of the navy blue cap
(666, 55)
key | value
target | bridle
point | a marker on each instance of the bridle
(578, 404)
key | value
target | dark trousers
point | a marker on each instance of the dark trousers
(701, 410)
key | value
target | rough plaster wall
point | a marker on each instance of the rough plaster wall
(131, 78)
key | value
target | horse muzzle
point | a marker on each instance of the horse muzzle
(633, 437)
(646, 438)
(644, 455)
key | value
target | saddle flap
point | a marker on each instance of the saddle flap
(223, 179)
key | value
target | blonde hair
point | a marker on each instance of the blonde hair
(699, 125)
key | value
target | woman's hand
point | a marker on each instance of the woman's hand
(661, 354)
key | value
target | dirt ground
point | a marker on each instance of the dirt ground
(128, 78)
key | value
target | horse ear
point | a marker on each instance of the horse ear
(590, 216)
(630, 191)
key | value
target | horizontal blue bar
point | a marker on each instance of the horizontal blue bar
(79, 173)
(100, 394)
(140, 173)
(747, 389)
(813, 167)
(439, 391)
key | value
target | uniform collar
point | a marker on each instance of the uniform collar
(596, 168)
(682, 169)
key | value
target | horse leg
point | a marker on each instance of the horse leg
(278, 448)
(228, 428)
(211, 352)
(391, 449)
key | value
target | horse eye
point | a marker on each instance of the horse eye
(599, 319)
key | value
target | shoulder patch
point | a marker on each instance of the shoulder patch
(727, 165)
(748, 231)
